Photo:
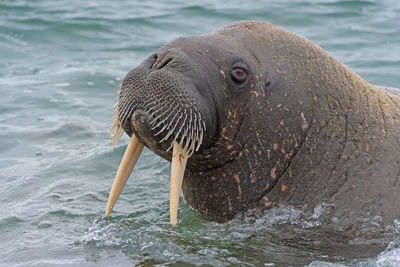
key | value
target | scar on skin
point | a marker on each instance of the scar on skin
(283, 188)
(267, 203)
(304, 126)
(253, 178)
(237, 179)
(273, 174)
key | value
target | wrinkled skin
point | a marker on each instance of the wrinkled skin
(301, 129)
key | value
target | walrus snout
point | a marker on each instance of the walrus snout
(140, 126)
(166, 99)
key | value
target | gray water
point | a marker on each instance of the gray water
(61, 63)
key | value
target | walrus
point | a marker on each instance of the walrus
(253, 115)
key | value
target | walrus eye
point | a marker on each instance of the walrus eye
(239, 75)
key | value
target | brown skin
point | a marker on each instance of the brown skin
(301, 130)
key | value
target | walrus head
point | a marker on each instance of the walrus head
(235, 106)
(187, 94)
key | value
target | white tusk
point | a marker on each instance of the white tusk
(179, 158)
(131, 155)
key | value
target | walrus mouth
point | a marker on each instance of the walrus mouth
(180, 125)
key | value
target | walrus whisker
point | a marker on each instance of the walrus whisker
(160, 131)
(173, 119)
(198, 129)
(171, 131)
(170, 114)
(189, 134)
(116, 104)
(154, 107)
(190, 118)
(150, 107)
(163, 105)
(116, 138)
(171, 109)
(201, 137)
(176, 135)
(180, 128)
(164, 119)
(192, 137)
(124, 112)
(149, 102)
(192, 144)
(187, 141)
(184, 132)
(116, 130)
(154, 104)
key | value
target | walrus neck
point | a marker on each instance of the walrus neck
(354, 134)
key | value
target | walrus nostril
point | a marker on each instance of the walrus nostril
(164, 62)
(153, 60)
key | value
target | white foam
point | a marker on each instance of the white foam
(390, 256)
(61, 84)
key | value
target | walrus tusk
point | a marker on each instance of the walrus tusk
(179, 158)
(131, 155)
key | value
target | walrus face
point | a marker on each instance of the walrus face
(189, 96)
(177, 95)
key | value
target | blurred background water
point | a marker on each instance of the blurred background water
(61, 63)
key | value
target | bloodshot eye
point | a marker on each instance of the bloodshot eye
(239, 75)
